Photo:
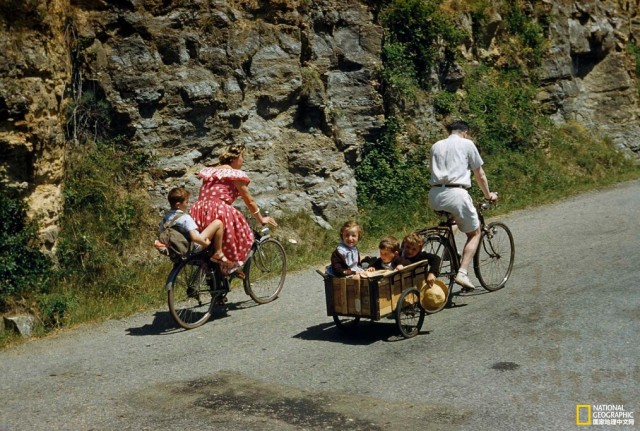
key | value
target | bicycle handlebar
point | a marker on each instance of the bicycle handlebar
(486, 204)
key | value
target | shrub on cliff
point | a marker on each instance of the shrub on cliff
(23, 268)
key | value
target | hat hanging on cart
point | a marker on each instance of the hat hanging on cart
(434, 297)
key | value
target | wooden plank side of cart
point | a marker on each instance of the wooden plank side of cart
(373, 296)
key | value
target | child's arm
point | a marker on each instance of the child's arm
(339, 266)
(399, 262)
(434, 263)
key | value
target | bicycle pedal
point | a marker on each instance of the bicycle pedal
(220, 300)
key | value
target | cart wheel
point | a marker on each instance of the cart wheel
(409, 313)
(345, 323)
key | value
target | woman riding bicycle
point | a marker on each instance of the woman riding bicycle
(221, 186)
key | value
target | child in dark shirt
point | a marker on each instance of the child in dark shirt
(412, 251)
(390, 257)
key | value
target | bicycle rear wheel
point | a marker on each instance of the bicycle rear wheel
(446, 271)
(493, 260)
(265, 271)
(189, 293)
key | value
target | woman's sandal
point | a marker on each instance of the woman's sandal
(220, 258)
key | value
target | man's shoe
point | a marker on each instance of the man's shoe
(463, 280)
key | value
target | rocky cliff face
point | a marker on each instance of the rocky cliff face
(297, 81)
(296, 84)
(588, 74)
(34, 71)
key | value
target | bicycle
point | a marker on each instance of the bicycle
(492, 262)
(196, 284)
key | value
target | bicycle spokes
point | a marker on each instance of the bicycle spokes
(493, 260)
(488, 246)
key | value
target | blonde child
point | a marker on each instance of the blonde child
(345, 260)
(179, 201)
(412, 251)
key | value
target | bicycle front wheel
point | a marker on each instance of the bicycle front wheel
(493, 260)
(189, 293)
(265, 271)
(446, 270)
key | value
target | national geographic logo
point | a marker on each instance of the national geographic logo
(603, 414)
(583, 414)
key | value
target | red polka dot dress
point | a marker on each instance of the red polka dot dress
(217, 194)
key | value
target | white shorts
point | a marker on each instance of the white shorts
(458, 202)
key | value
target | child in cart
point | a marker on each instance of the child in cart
(345, 259)
(412, 251)
(390, 258)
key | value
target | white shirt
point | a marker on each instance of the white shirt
(350, 255)
(452, 160)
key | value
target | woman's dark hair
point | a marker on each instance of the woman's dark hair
(231, 153)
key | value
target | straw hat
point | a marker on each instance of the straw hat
(434, 297)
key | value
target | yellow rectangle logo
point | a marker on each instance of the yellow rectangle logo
(583, 407)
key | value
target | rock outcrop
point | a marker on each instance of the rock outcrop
(296, 84)
(34, 72)
(296, 81)
(588, 73)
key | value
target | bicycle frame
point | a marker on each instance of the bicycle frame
(493, 259)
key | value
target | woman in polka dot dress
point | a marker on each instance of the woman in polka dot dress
(221, 185)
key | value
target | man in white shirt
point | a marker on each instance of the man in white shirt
(452, 161)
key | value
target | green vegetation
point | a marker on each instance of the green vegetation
(23, 268)
(417, 30)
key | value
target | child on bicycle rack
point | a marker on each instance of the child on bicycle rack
(412, 251)
(181, 221)
(389, 259)
(345, 259)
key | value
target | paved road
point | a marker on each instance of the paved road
(565, 331)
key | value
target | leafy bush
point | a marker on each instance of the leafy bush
(420, 28)
(445, 103)
(389, 174)
(104, 209)
(501, 110)
(529, 36)
(55, 307)
(398, 74)
(88, 117)
(23, 268)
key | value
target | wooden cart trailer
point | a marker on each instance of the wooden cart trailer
(376, 295)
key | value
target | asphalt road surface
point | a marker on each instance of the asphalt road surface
(564, 332)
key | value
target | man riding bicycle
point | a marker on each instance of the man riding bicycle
(452, 161)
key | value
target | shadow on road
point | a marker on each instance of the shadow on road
(163, 322)
(365, 333)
